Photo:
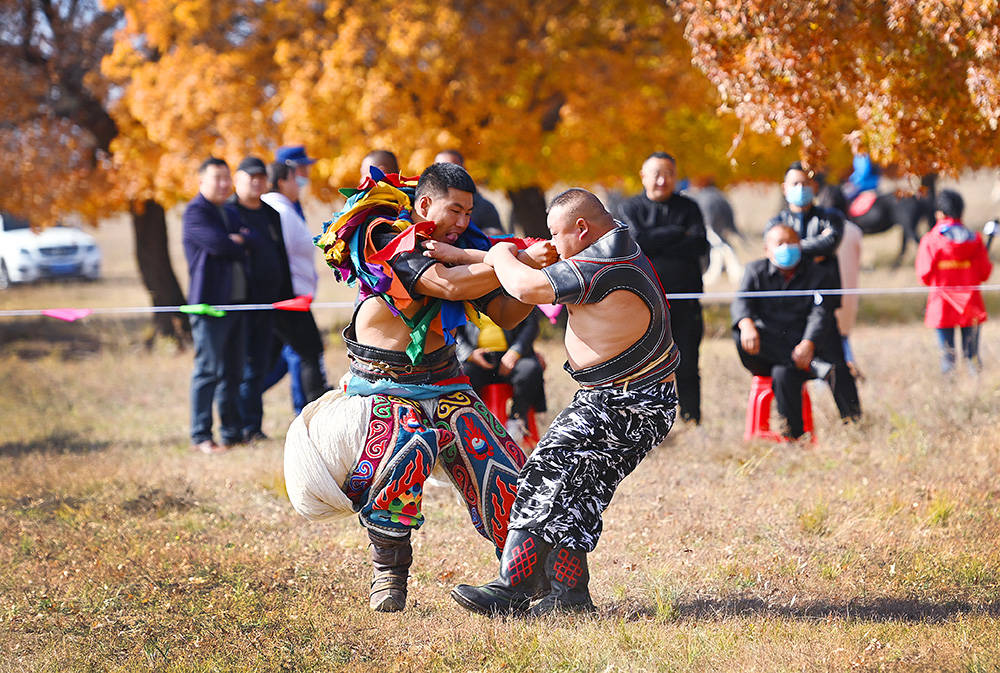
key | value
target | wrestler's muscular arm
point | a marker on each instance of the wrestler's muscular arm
(524, 283)
(504, 310)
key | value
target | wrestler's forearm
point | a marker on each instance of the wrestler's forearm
(468, 281)
(508, 312)
(527, 285)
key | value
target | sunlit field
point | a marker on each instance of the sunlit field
(874, 549)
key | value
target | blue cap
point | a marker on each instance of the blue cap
(293, 155)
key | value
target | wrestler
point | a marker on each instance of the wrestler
(407, 406)
(621, 352)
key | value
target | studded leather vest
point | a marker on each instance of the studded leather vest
(615, 262)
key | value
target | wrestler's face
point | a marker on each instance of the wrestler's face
(450, 212)
(568, 232)
(659, 177)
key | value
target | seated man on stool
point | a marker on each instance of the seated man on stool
(794, 338)
(490, 354)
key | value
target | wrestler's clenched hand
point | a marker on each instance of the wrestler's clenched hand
(447, 254)
(542, 254)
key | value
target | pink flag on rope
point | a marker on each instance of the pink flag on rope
(67, 314)
(300, 303)
(551, 311)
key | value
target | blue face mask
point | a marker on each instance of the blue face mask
(800, 195)
(787, 256)
(301, 181)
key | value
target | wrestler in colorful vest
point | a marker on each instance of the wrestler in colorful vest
(407, 406)
(621, 352)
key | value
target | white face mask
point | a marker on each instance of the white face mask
(302, 181)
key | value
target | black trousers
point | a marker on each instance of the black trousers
(688, 327)
(298, 329)
(525, 378)
(774, 359)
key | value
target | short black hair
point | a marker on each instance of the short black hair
(211, 161)
(278, 170)
(383, 159)
(437, 179)
(950, 202)
(581, 203)
(797, 166)
(456, 153)
(661, 155)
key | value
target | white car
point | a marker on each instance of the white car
(55, 252)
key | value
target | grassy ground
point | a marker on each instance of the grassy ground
(874, 549)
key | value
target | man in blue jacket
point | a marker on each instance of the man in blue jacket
(216, 254)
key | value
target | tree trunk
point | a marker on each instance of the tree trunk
(153, 257)
(528, 211)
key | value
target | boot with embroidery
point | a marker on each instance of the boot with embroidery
(569, 578)
(522, 578)
(391, 559)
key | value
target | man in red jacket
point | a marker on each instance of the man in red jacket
(951, 256)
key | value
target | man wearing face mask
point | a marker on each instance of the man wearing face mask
(793, 338)
(820, 230)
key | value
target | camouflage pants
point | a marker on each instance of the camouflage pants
(591, 446)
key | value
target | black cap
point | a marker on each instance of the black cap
(252, 166)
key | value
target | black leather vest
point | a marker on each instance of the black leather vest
(615, 262)
(374, 363)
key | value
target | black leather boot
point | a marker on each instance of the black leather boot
(522, 577)
(391, 559)
(569, 578)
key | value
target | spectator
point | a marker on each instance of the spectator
(216, 255)
(295, 156)
(297, 329)
(669, 229)
(951, 255)
(490, 354)
(384, 160)
(820, 231)
(484, 213)
(269, 281)
(794, 338)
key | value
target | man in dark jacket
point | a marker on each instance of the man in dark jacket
(820, 231)
(793, 338)
(269, 280)
(670, 231)
(216, 254)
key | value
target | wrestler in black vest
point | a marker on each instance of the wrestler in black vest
(615, 262)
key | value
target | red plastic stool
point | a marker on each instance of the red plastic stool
(758, 423)
(496, 396)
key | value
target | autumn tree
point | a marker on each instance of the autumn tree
(580, 92)
(56, 132)
(915, 82)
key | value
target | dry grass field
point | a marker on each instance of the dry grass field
(873, 550)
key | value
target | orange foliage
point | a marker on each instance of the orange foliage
(579, 92)
(918, 81)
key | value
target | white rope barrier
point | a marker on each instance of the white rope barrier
(707, 296)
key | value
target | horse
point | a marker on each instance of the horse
(876, 213)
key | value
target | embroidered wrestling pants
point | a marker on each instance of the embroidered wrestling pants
(405, 438)
(590, 447)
